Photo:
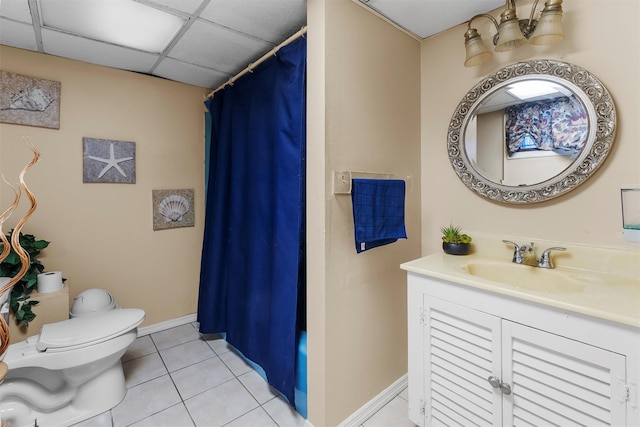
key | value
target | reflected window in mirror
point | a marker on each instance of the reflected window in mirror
(559, 125)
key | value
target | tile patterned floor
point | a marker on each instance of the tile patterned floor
(178, 378)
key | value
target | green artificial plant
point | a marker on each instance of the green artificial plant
(452, 234)
(20, 304)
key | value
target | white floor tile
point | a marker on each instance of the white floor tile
(175, 416)
(145, 400)
(283, 413)
(175, 336)
(101, 420)
(141, 369)
(395, 413)
(255, 418)
(220, 405)
(217, 343)
(235, 362)
(200, 377)
(258, 387)
(142, 346)
(210, 385)
(186, 354)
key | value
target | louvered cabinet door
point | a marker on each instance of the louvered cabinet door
(462, 351)
(559, 381)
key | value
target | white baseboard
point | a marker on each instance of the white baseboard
(374, 405)
(172, 323)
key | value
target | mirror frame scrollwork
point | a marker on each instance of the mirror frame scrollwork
(602, 127)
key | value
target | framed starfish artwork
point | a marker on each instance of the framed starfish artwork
(109, 161)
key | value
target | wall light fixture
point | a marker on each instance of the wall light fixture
(513, 32)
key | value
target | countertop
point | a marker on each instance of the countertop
(613, 294)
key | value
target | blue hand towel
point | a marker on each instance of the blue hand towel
(378, 212)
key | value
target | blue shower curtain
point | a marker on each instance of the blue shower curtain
(253, 251)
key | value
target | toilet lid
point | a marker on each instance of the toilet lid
(81, 331)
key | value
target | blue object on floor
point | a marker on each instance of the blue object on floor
(301, 375)
(378, 212)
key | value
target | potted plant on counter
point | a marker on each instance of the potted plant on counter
(454, 241)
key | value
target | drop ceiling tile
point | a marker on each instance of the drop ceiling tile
(187, 6)
(68, 46)
(17, 35)
(173, 69)
(221, 49)
(17, 10)
(272, 21)
(428, 17)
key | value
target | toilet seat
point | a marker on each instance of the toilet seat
(82, 331)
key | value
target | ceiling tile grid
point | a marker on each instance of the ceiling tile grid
(18, 34)
(176, 70)
(272, 21)
(15, 10)
(218, 48)
(218, 39)
(425, 18)
(95, 52)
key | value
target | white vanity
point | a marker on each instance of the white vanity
(496, 343)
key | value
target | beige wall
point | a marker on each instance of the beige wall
(364, 111)
(373, 94)
(101, 234)
(600, 38)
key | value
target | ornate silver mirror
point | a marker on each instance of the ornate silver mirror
(531, 131)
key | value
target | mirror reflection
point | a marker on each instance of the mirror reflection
(526, 132)
(531, 131)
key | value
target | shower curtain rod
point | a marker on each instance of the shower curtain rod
(253, 65)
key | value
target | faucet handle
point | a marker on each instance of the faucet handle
(545, 259)
(518, 251)
(515, 245)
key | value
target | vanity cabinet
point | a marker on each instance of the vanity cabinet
(481, 358)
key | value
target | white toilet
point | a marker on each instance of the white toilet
(71, 371)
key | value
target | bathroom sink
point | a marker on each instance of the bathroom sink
(524, 277)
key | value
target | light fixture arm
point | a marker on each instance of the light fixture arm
(533, 12)
(528, 27)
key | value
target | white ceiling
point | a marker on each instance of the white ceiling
(424, 18)
(219, 38)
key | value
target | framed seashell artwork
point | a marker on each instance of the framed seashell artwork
(172, 209)
(30, 101)
(108, 161)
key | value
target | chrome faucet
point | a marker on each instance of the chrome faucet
(526, 254)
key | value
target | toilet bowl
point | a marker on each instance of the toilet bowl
(71, 371)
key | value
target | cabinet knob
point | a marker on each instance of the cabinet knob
(505, 388)
(496, 383)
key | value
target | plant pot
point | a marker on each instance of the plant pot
(456, 248)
